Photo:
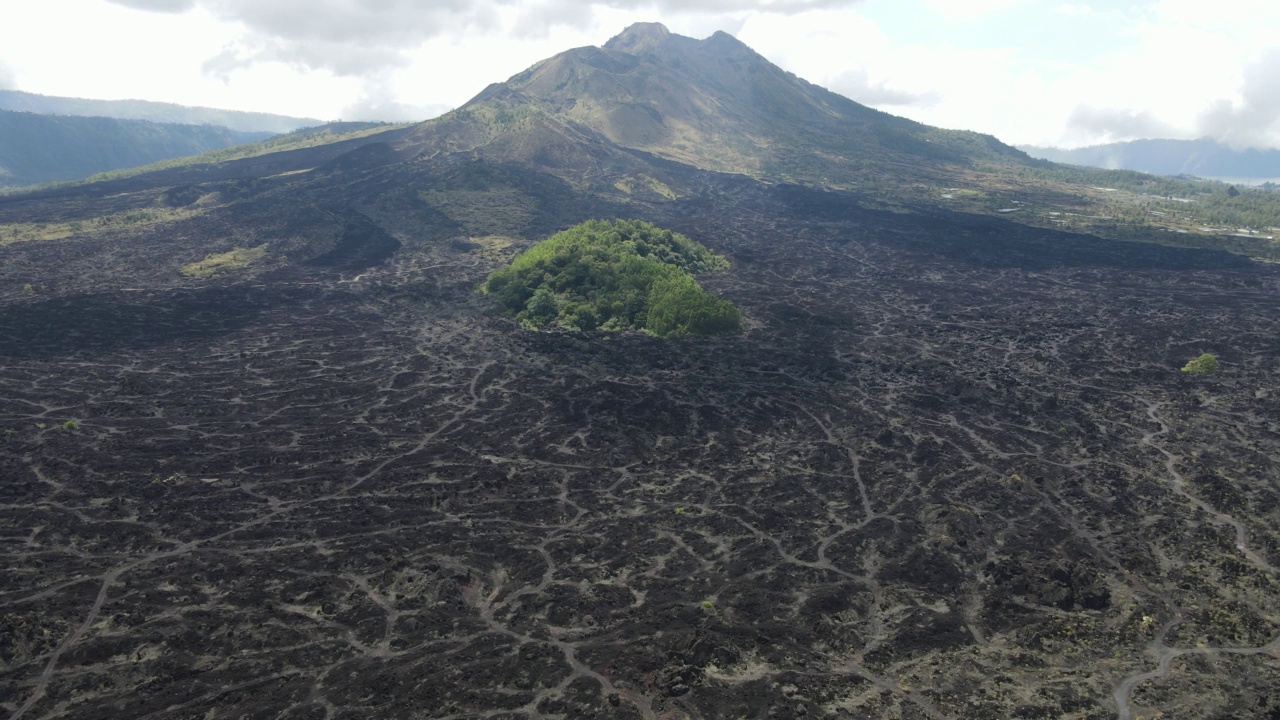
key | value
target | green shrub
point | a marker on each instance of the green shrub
(678, 305)
(1206, 364)
(625, 274)
(235, 259)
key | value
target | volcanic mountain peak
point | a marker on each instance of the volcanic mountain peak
(714, 104)
(655, 39)
(639, 38)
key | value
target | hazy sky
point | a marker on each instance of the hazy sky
(1027, 71)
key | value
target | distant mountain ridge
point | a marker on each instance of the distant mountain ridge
(38, 149)
(154, 111)
(1204, 158)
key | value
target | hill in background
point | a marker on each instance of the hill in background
(154, 111)
(1204, 158)
(38, 149)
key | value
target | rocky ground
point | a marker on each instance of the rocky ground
(952, 470)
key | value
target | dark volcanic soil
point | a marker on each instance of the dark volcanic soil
(952, 470)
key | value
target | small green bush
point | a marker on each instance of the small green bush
(70, 425)
(1206, 364)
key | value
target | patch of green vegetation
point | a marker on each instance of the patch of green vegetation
(70, 426)
(1206, 364)
(628, 185)
(493, 246)
(493, 117)
(26, 232)
(660, 188)
(235, 259)
(1180, 211)
(620, 275)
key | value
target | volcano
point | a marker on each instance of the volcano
(717, 105)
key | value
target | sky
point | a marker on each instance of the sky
(1038, 72)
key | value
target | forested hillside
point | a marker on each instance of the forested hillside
(38, 149)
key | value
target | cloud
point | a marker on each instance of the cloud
(345, 37)
(857, 85)
(782, 7)
(378, 102)
(1115, 125)
(342, 59)
(358, 37)
(8, 78)
(165, 6)
(969, 9)
(1076, 10)
(1254, 119)
(536, 21)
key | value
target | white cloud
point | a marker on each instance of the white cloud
(857, 85)
(354, 37)
(378, 100)
(941, 85)
(959, 10)
(168, 6)
(1076, 10)
(1254, 119)
(1173, 68)
(1249, 22)
(1113, 125)
(819, 45)
(8, 78)
(1185, 69)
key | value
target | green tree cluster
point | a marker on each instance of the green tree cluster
(615, 275)
(1206, 364)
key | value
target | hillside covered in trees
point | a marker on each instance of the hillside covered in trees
(38, 149)
(620, 275)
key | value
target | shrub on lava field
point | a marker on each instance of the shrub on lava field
(620, 275)
(1206, 364)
